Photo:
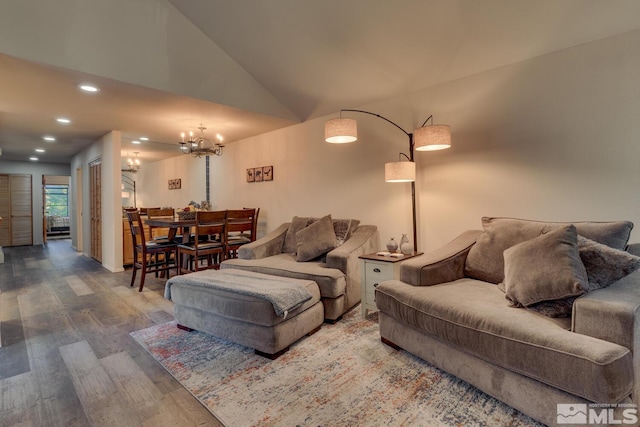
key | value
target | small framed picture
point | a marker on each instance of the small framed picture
(175, 184)
(257, 174)
(251, 177)
(267, 173)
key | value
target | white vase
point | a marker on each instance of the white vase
(405, 246)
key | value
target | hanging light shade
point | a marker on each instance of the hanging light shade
(431, 138)
(400, 172)
(340, 131)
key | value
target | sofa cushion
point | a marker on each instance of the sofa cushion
(545, 268)
(315, 240)
(297, 224)
(474, 316)
(344, 228)
(485, 260)
(605, 265)
(331, 281)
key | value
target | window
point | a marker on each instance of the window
(57, 199)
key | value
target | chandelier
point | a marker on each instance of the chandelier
(200, 146)
(132, 165)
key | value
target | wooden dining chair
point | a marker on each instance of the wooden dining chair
(241, 229)
(149, 256)
(209, 244)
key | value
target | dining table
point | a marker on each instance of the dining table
(173, 225)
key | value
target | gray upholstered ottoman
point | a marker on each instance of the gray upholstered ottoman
(247, 308)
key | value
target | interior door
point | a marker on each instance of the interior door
(5, 211)
(95, 194)
(21, 210)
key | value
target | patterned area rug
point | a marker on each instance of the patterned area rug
(341, 376)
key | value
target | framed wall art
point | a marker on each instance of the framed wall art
(175, 184)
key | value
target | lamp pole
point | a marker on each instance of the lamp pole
(413, 184)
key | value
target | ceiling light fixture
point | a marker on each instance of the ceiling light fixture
(425, 138)
(48, 138)
(200, 146)
(143, 138)
(135, 141)
(89, 88)
(33, 159)
(39, 150)
(63, 120)
(131, 165)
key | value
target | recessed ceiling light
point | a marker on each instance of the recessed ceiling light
(63, 120)
(135, 141)
(48, 138)
(33, 159)
(88, 88)
(39, 150)
(144, 138)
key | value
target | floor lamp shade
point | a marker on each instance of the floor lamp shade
(431, 138)
(400, 172)
(340, 131)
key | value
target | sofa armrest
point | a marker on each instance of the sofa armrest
(362, 241)
(442, 265)
(613, 314)
(269, 245)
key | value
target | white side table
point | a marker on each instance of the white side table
(373, 270)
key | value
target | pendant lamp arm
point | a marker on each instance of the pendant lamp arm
(378, 115)
(428, 118)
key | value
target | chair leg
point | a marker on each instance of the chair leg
(133, 275)
(143, 273)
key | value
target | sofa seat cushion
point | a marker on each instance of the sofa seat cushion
(331, 281)
(474, 316)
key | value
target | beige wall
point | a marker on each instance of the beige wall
(552, 138)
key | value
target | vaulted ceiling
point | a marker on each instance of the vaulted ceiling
(248, 67)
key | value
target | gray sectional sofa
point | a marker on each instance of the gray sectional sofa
(475, 308)
(303, 249)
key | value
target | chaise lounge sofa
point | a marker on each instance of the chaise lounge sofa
(477, 309)
(324, 250)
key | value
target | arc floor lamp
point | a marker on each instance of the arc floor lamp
(425, 138)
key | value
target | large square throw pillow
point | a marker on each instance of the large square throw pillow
(485, 260)
(545, 268)
(316, 239)
(297, 224)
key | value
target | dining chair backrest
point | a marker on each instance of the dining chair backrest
(161, 213)
(137, 230)
(242, 220)
(209, 223)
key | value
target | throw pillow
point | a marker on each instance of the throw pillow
(297, 224)
(485, 260)
(605, 265)
(545, 268)
(316, 239)
(555, 308)
(344, 229)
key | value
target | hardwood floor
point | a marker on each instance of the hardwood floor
(66, 357)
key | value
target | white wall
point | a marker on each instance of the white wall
(36, 170)
(107, 149)
(552, 138)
